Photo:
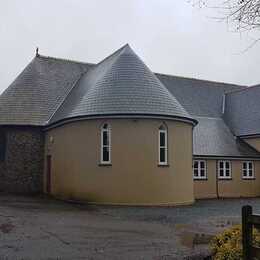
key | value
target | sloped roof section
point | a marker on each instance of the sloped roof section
(120, 85)
(198, 97)
(38, 91)
(242, 111)
(212, 137)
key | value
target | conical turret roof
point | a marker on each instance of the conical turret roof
(121, 84)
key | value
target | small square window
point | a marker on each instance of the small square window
(248, 170)
(199, 169)
(224, 170)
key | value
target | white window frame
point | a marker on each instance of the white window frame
(163, 147)
(108, 130)
(225, 177)
(247, 176)
(199, 177)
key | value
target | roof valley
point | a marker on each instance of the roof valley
(51, 90)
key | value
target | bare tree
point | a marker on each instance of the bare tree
(243, 14)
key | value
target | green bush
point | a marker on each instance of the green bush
(228, 244)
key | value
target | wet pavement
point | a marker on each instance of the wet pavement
(44, 228)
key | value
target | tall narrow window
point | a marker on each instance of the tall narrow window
(163, 149)
(199, 170)
(224, 169)
(248, 170)
(105, 144)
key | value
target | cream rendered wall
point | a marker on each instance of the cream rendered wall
(134, 177)
(254, 142)
(236, 187)
(205, 189)
(239, 187)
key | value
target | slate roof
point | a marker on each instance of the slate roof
(204, 100)
(242, 111)
(120, 85)
(50, 90)
(39, 90)
(213, 137)
(198, 97)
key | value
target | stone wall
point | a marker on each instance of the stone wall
(21, 170)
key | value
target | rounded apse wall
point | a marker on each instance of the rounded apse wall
(134, 176)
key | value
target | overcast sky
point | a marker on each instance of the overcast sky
(170, 36)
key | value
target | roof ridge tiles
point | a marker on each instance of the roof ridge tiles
(64, 60)
(240, 90)
(197, 79)
(156, 73)
(115, 52)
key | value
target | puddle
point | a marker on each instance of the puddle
(6, 228)
(191, 239)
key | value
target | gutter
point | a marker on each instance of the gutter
(249, 136)
(192, 121)
(218, 157)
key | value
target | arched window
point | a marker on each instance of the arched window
(163, 145)
(105, 144)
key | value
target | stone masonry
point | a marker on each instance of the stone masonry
(21, 170)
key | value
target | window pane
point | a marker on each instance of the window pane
(105, 138)
(244, 173)
(250, 173)
(250, 165)
(221, 164)
(195, 164)
(221, 173)
(227, 173)
(162, 155)
(196, 174)
(105, 154)
(202, 164)
(244, 165)
(162, 138)
(202, 173)
(227, 165)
